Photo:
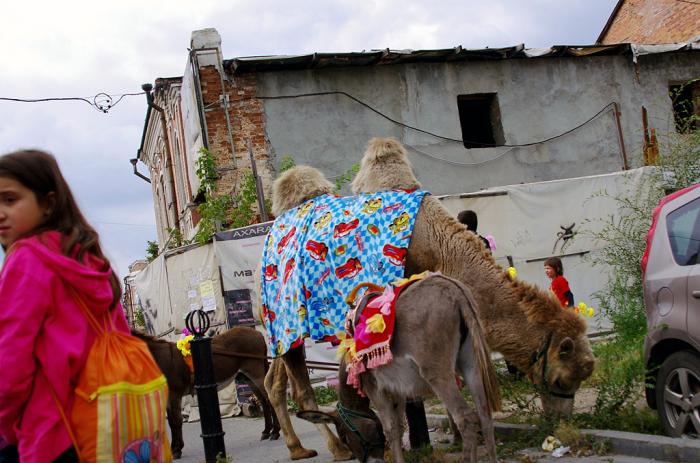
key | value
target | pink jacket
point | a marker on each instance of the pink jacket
(45, 337)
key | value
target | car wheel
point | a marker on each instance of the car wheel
(678, 394)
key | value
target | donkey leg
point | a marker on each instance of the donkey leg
(175, 423)
(276, 386)
(476, 386)
(391, 413)
(465, 418)
(304, 397)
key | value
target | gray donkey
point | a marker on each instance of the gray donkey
(437, 332)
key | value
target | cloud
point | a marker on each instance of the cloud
(80, 48)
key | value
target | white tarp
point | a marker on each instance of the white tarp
(176, 283)
(152, 288)
(525, 219)
(194, 282)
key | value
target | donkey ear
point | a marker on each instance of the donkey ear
(318, 417)
(566, 347)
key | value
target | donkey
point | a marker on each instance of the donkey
(437, 332)
(238, 350)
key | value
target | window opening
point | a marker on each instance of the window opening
(686, 105)
(480, 119)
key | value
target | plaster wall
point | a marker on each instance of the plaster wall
(538, 99)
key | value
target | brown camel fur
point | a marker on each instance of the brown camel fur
(238, 350)
(430, 341)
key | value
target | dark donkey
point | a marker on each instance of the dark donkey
(239, 350)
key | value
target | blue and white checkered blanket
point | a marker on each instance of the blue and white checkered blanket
(318, 252)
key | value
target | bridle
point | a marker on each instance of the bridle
(346, 416)
(543, 354)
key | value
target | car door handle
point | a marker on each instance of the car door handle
(696, 294)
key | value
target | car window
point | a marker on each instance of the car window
(683, 226)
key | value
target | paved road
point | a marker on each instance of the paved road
(243, 444)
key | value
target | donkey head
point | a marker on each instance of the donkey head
(361, 432)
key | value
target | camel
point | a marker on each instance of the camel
(522, 322)
(238, 350)
(430, 342)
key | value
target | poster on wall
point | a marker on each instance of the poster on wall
(238, 252)
(239, 308)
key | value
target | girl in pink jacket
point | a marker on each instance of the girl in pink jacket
(50, 250)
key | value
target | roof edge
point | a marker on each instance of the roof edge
(609, 22)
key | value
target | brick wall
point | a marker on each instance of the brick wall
(247, 123)
(654, 21)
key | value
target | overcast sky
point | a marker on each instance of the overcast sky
(82, 48)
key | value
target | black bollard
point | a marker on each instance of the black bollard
(197, 322)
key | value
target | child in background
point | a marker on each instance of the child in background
(51, 254)
(554, 269)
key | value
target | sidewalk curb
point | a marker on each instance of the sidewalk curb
(660, 448)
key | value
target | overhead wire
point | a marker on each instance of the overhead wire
(102, 102)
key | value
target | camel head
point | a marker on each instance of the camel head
(384, 166)
(362, 433)
(564, 360)
(296, 185)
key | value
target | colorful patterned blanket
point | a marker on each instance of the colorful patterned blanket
(316, 253)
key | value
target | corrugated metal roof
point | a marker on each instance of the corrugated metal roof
(457, 54)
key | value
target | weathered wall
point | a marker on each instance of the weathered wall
(538, 98)
(654, 21)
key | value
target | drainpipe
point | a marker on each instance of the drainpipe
(133, 162)
(171, 171)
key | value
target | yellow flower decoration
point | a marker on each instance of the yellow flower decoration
(512, 273)
(584, 310)
(415, 276)
(376, 324)
(346, 346)
(184, 345)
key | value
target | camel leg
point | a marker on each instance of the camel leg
(304, 396)
(175, 422)
(391, 414)
(276, 387)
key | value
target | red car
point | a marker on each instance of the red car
(343, 229)
(396, 255)
(270, 272)
(349, 269)
(283, 242)
(318, 251)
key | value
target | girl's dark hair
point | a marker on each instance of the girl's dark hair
(556, 264)
(39, 172)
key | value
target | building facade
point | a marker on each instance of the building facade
(470, 119)
(652, 21)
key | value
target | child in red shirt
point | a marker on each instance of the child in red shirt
(554, 269)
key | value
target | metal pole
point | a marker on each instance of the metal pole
(258, 186)
(623, 151)
(205, 385)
